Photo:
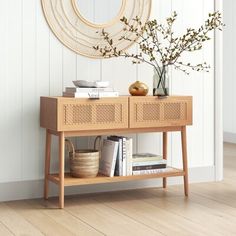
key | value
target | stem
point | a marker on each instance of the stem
(160, 81)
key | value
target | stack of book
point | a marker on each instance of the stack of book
(116, 156)
(148, 163)
(117, 159)
(78, 92)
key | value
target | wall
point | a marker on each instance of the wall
(229, 83)
(34, 63)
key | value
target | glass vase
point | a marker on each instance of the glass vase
(161, 82)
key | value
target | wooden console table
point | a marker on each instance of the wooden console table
(71, 117)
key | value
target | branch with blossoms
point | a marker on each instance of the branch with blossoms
(159, 46)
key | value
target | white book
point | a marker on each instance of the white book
(118, 167)
(129, 151)
(91, 95)
(108, 157)
(152, 171)
(124, 168)
(146, 157)
(87, 90)
(149, 163)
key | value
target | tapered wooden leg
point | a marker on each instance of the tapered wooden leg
(164, 154)
(47, 163)
(185, 160)
(61, 169)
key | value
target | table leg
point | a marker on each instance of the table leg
(164, 155)
(185, 160)
(47, 162)
(61, 169)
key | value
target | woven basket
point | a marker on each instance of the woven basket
(83, 163)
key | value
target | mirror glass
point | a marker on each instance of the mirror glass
(99, 11)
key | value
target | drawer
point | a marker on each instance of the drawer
(73, 114)
(160, 112)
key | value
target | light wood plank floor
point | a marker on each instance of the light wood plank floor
(210, 210)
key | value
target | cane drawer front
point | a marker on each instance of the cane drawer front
(160, 112)
(85, 114)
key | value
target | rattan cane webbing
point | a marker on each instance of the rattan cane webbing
(109, 113)
(175, 111)
(76, 114)
(153, 111)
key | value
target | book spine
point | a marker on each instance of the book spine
(88, 90)
(124, 156)
(107, 94)
(119, 158)
(118, 167)
(113, 162)
(142, 159)
(75, 95)
(129, 150)
(88, 95)
(131, 155)
(117, 164)
(148, 163)
(108, 157)
(156, 171)
(70, 95)
(150, 167)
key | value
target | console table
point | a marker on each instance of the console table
(72, 117)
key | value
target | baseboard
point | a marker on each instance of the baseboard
(229, 137)
(34, 189)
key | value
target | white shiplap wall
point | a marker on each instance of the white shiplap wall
(34, 63)
(229, 83)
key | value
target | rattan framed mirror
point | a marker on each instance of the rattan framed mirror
(77, 27)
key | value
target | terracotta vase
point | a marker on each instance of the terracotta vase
(138, 89)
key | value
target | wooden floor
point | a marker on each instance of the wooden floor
(210, 210)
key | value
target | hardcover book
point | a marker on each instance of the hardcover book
(91, 94)
(129, 151)
(118, 166)
(87, 90)
(148, 163)
(156, 171)
(146, 157)
(149, 167)
(108, 157)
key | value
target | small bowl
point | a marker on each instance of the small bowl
(84, 83)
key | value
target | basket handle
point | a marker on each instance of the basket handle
(69, 146)
(98, 141)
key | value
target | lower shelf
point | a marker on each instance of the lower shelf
(70, 181)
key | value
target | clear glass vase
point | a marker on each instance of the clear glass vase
(161, 82)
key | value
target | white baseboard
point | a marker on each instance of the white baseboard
(229, 137)
(34, 189)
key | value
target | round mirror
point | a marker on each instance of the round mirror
(99, 12)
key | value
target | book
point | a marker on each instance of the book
(129, 151)
(146, 157)
(108, 157)
(124, 164)
(91, 95)
(118, 166)
(87, 90)
(149, 167)
(146, 163)
(155, 171)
